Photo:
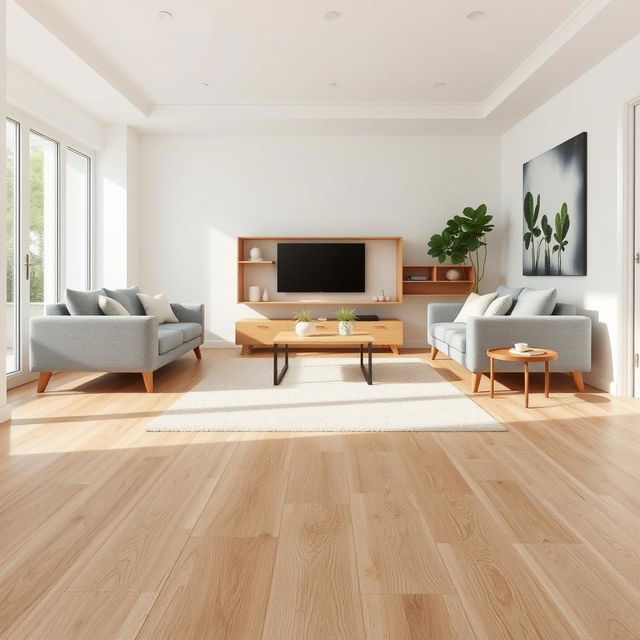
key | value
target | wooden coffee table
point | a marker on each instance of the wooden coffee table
(503, 353)
(326, 339)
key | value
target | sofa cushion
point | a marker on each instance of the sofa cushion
(500, 306)
(111, 307)
(475, 305)
(190, 330)
(159, 307)
(84, 303)
(168, 339)
(128, 298)
(514, 292)
(535, 302)
(453, 334)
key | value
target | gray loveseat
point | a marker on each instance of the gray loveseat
(136, 343)
(564, 331)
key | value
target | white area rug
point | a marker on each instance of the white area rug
(323, 394)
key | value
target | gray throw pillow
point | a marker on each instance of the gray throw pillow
(514, 292)
(128, 298)
(535, 302)
(84, 303)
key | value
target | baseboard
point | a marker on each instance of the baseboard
(219, 344)
(599, 382)
(5, 413)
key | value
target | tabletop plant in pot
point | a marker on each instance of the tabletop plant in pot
(304, 323)
(345, 318)
(464, 238)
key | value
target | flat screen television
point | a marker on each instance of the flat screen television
(321, 267)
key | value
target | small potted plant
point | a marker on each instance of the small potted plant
(345, 318)
(304, 323)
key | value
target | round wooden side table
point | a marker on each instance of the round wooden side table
(505, 354)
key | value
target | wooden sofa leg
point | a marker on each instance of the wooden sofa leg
(476, 377)
(43, 380)
(147, 376)
(434, 353)
(198, 353)
(578, 381)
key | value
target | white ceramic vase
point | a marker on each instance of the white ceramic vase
(254, 294)
(345, 328)
(255, 254)
(305, 328)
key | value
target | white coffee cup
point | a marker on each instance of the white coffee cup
(521, 346)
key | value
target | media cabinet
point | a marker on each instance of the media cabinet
(258, 332)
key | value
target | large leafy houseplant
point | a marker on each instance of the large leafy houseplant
(464, 238)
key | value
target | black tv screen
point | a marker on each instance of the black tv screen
(320, 267)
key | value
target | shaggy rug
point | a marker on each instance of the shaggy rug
(323, 394)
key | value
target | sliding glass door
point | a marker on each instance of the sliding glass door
(48, 232)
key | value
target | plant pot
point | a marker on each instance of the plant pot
(305, 328)
(345, 328)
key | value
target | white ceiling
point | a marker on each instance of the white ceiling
(274, 60)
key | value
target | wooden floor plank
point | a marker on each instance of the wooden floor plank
(535, 528)
(249, 499)
(217, 590)
(315, 587)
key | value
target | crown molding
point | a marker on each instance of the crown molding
(82, 48)
(565, 32)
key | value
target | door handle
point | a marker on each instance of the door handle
(27, 264)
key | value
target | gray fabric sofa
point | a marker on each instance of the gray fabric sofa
(565, 332)
(63, 342)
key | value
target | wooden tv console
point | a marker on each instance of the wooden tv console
(257, 332)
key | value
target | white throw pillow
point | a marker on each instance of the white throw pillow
(500, 306)
(158, 306)
(475, 305)
(111, 307)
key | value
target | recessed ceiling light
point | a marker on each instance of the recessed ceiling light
(165, 15)
(476, 15)
(333, 85)
(438, 85)
(332, 15)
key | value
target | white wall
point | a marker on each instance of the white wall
(594, 103)
(199, 193)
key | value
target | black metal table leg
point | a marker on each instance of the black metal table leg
(277, 377)
(367, 371)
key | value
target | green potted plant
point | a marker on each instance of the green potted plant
(345, 318)
(464, 238)
(304, 323)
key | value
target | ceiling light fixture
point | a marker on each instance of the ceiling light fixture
(476, 15)
(438, 85)
(331, 15)
(165, 15)
(204, 84)
(333, 85)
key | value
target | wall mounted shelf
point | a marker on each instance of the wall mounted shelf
(437, 284)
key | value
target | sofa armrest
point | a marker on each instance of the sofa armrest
(570, 336)
(94, 343)
(189, 312)
(442, 312)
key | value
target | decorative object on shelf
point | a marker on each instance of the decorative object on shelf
(304, 323)
(418, 278)
(558, 245)
(265, 296)
(345, 318)
(382, 296)
(464, 238)
(453, 274)
(375, 298)
(254, 293)
(255, 254)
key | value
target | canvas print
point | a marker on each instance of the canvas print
(555, 211)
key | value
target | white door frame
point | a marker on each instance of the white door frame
(629, 241)
(27, 125)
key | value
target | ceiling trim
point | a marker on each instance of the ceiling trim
(565, 32)
(75, 42)
(452, 111)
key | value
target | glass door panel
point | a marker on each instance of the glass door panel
(41, 256)
(13, 254)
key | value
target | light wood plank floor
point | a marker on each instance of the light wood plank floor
(108, 532)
